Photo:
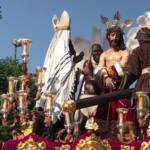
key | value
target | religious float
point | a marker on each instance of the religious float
(76, 132)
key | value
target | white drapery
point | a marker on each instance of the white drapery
(60, 73)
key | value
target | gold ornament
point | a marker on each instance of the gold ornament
(91, 143)
(64, 147)
(91, 124)
(31, 144)
(106, 144)
(145, 145)
(69, 106)
(127, 147)
(127, 23)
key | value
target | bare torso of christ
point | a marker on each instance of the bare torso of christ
(111, 57)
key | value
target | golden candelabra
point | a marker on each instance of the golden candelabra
(121, 125)
(22, 97)
(40, 77)
(49, 103)
(141, 111)
(11, 87)
(25, 49)
(22, 80)
(140, 106)
(69, 107)
(5, 105)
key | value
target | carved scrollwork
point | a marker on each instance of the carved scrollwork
(65, 147)
(145, 145)
(127, 147)
(106, 144)
(69, 106)
(91, 143)
(30, 143)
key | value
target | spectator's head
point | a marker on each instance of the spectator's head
(96, 51)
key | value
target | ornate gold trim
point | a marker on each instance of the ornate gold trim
(91, 143)
(127, 147)
(31, 144)
(64, 147)
(145, 145)
(106, 144)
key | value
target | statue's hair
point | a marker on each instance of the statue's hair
(117, 29)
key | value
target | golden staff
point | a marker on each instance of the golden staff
(69, 108)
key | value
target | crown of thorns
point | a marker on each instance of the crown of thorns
(116, 22)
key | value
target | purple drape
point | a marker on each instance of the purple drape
(12, 144)
(115, 144)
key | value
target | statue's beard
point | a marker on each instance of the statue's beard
(96, 58)
(115, 44)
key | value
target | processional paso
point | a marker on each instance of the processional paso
(67, 95)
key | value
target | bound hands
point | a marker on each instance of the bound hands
(109, 83)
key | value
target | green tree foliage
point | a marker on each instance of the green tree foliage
(8, 67)
(32, 94)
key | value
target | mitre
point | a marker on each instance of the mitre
(63, 23)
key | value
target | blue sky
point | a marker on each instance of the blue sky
(32, 19)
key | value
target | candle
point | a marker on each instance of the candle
(5, 106)
(23, 82)
(21, 101)
(121, 118)
(67, 118)
(25, 46)
(21, 96)
(49, 101)
(122, 115)
(141, 102)
(25, 100)
(41, 74)
(141, 95)
(25, 50)
(11, 85)
(5, 103)
(40, 77)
